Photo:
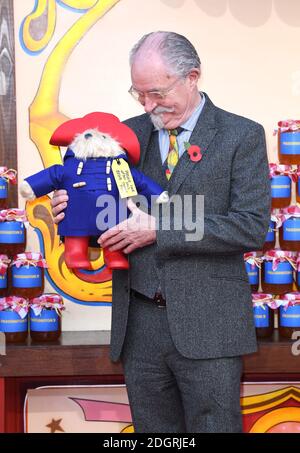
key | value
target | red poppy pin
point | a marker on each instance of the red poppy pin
(194, 152)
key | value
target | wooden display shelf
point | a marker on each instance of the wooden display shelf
(84, 353)
(274, 360)
(87, 354)
(82, 358)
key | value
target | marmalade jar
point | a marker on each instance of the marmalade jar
(4, 262)
(45, 317)
(27, 274)
(253, 264)
(14, 318)
(263, 314)
(298, 272)
(289, 314)
(281, 185)
(278, 271)
(270, 240)
(289, 142)
(12, 231)
(297, 176)
(6, 177)
(289, 232)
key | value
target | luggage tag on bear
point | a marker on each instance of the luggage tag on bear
(124, 179)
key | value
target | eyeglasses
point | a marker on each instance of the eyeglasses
(155, 95)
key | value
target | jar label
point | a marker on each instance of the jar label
(291, 229)
(47, 321)
(12, 232)
(290, 143)
(253, 274)
(3, 281)
(26, 277)
(283, 274)
(289, 317)
(271, 233)
(3, 188)
(10, 321)
(261, 316)
(280, 187)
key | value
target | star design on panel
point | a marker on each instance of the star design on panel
(55, 425)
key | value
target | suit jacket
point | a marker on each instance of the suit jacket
(209, 304)
(82, 210)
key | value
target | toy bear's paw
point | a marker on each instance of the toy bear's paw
(163, 198)
(26, 191)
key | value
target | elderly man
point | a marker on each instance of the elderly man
(182, 316)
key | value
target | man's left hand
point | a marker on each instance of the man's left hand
(135, 232)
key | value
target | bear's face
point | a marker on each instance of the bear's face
(93, 143)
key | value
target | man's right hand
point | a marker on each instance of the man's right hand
(59, 203)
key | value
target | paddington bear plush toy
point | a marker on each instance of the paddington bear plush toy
(96, 163)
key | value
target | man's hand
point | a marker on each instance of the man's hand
(59, 203)
(135, 232)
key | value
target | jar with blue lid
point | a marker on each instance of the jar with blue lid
(289, 314)
(45, 317)
(14, 318)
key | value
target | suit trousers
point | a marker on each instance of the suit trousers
(170, 393)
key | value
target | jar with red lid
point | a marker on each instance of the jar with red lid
(289, 142)
(27, 275)
(4, 262)
(253, 262)
(7, 176)
(297, 178)
(14, 318)
(45, 317)
(263, 309)
(12, 231)
(278, 271)
(289, 314)
(289, 231)
(281, 185)
(298, 272)
(270, 240)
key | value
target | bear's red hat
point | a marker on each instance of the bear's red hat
(104, 122)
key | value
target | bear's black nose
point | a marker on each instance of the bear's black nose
(88, 135)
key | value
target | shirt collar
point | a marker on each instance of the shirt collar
(190, 123)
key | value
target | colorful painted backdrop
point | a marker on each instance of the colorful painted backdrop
(72, 58)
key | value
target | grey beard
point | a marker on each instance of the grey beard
(157, 121)
(156, 117)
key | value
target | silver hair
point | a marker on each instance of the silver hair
(176, 50)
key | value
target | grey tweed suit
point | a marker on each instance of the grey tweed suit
(209, 311)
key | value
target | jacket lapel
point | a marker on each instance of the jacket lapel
(144, 132)
(202, 135)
